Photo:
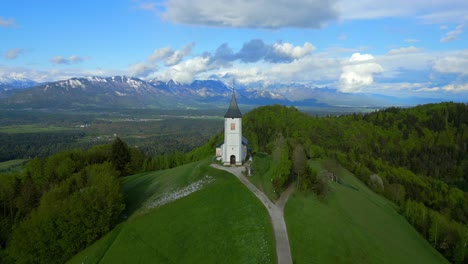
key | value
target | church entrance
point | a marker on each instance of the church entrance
(233, 160)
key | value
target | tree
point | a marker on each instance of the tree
(120, 155)
(299, 161)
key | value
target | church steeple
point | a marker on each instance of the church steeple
(233, 111)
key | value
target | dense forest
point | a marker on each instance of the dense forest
(59, 205)
(416, 157)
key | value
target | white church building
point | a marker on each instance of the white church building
(234, 149)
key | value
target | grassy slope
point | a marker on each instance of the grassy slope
(263, 174)
(222, 223)
(352, 226)
(12, 165)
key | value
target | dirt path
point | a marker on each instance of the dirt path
(275, 210)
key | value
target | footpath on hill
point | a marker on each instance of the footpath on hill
(276, 211)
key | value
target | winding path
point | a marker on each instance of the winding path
(275, 210)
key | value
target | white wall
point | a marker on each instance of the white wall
(232, 140)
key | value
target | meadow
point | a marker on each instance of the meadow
(352, 225)
(222, 222)
(12, 165)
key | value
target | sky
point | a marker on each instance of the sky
(399, 47)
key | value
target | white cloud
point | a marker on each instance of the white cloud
(456, 88)
(358, 72)
(404, 50)
(295, 52)
(428, 89)
(160, 54)
(49, 75)
(142, 69)
(185, 72)
(251, 13)
(10, 22)
(452, 35)
(13, 53)
(170, 56)
(456, 62)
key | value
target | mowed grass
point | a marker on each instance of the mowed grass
(12, 165)
(263, 174)
(352, 225)
(221, 223)
(31, 129)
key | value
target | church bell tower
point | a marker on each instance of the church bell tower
(234, 151)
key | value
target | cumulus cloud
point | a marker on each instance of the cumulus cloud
(251, 13)
(404, 50)
(358, 72)
(293, 52)
(166, 56)
(452, 35)
(257, 50)
(70, 60)
(4, 22)
(169, 56)
(13, 53)
(185, 71)
(456, 62)
(456, 87)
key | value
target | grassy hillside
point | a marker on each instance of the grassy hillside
(12, 165)
(352, 225)
(220, 223)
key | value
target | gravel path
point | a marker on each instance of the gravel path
(275, 210)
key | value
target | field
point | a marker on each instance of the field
(12, 165)
(352, 225)
(222, 222)
(25, 134)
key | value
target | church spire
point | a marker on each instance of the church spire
(233, 111)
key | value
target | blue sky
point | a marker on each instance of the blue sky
(399, 47)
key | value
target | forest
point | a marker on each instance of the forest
(416, 157)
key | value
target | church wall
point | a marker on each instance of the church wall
(232, 140)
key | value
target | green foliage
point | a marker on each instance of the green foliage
(120, 155)
(221, 223)
(263, 174)
(70, 216)
(60, 204)
(282, 163)
(419, 154)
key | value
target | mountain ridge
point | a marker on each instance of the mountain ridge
(131, 92)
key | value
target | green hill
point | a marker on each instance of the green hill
(223, 222)
(220, 223)
(352, 225)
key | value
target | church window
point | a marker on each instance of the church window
(233, 126)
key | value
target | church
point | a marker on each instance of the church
(234, 149)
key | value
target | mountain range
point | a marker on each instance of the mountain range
(130, 92)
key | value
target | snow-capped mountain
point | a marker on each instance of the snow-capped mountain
(122, 91)
(16, 82)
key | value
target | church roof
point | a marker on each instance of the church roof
(233, 111)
